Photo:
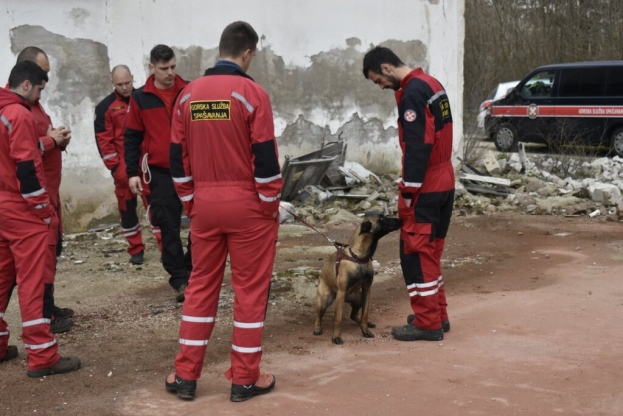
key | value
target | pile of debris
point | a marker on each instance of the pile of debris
(543, 185)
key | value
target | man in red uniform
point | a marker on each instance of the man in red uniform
(109, 124)
(147, 139)
(29, 226)
(224, 162)
(52, 141)
(426, 190)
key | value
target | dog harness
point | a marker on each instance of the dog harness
(341, 255)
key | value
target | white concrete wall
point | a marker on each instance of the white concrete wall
(96, 34)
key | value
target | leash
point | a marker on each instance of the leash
(341, 248)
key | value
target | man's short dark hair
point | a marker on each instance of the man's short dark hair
(161, 53)
(26, 71)
(237, 38)
(378, 56)
(30, 53)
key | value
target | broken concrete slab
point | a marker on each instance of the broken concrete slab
(604, 193)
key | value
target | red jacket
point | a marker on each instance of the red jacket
(425, 132)
(52, 157)
(21, 170)
(235, 113)
(109, 125)
(148, 127)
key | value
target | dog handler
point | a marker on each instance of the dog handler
(224, 162)
(426, 190)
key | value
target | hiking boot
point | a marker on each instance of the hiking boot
(58, 326)
(445, 325)
(62, 366)
(138, 258)
(10, 354)
(412, 333)
(241, 393)
(184, 388)
(179, 297)
(62, 313)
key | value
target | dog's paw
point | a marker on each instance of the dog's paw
(367, 334)
(371, 325)
(317, 331)
(337, 340)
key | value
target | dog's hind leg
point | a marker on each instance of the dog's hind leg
(324, 299)
(365, 300)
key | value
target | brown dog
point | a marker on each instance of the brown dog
(353, 267)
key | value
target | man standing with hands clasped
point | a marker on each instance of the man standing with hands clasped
(426, 190)
(224, 162)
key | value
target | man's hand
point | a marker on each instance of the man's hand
(60, 135)
(408, 202)
(135, 185)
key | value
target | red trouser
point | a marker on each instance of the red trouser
(227, 220)
(130, 224)
(27, 248)
(422, 238)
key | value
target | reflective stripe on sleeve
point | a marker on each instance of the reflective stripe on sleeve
(183, 180)
(110, 156)
(266, 180)
(7, 123)
(434, 97)
(267, 198)
(36, 193)
(187, 197)
(243, 101)
(184, 98)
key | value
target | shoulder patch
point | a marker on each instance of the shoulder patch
(410, 116)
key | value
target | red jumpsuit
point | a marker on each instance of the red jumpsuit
(224, 163)
(425, 131)
(109, 124)
(28, 233)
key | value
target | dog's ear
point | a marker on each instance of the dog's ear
(366, 227)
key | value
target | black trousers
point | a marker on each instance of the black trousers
(166, 213)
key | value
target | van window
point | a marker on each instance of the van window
(614, 85)
(539, 85)
(583, 82)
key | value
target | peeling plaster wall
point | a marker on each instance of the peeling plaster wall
(309, 61)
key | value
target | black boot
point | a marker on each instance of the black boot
(58, 326)
(62, 366)
(241, 393)
(445, 325)
(138, 258)
(412, 333)
(62, 313)
(183, 388)
(10, 354)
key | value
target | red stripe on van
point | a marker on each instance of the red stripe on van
(559, 111)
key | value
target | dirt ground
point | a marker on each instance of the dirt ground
(534, 303)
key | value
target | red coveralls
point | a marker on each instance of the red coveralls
(224, 162)
(425, 131)
(148, 136)
(109, 126)
(28, 234)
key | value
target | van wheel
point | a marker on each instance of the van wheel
(506, 138)
(616, 142)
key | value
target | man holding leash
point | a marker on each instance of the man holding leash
(224, 162)
(426, 190)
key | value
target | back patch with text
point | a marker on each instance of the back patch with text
(210, 110)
